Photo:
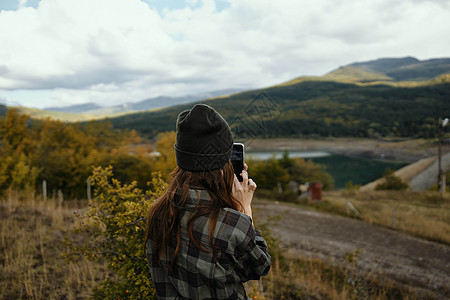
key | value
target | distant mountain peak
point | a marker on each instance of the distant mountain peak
(388, 62)
(147, 104)
(76, 108)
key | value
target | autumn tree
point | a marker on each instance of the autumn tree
(63, 154)
(166, 160)
(16, 143)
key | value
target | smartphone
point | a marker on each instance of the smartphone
(237, 159)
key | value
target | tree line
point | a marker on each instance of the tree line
(63, 154)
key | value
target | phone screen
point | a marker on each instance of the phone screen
(237, 159)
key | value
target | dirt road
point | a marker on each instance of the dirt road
(405, 259)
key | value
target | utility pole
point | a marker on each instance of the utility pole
(441, 177)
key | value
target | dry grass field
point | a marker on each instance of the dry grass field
(32, 263)
(395, 245)
(32, 266)
(422, 214)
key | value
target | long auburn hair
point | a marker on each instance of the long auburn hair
(163, 219)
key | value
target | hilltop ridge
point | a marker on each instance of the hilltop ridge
(407, 68)
(405, 71)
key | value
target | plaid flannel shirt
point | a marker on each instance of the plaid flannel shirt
(240, 254)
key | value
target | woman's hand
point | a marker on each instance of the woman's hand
(243, 191)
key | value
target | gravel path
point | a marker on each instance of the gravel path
(402, 258)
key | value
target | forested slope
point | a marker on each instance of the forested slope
(323, 108)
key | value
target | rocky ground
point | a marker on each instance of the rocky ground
(376, 250)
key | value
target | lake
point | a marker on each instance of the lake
(342, 168)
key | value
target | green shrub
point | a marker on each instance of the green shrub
(391, 182)
(349, 186)
(268, 174)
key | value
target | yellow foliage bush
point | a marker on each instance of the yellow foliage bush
(115, 223)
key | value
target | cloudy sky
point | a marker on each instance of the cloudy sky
(63, 52)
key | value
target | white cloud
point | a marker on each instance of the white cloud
(114, 51)
(22, 3)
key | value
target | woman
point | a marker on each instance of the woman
(201, 242)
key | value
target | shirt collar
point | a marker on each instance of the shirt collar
(197, 196)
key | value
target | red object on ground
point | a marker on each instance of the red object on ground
(315, 190)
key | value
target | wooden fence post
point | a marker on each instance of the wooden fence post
(60, 197)
(44, 190)
(394, 211)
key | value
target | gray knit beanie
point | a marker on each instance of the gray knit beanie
(204, 140)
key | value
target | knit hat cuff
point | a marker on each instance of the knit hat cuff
(201, 162)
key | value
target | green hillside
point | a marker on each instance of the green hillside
(319, 108)
(354, 74)
(398, 97)
(402, 72)
(408, 68)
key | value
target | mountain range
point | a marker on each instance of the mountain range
(147, 104)
(401, 97)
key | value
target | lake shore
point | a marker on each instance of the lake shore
(398, 150)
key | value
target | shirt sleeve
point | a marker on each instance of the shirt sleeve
(252, 256)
